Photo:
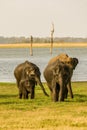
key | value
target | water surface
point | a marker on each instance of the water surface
(11, 57)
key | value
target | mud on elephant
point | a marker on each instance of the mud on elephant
(72, 63)
(27, 76)
(57, 76)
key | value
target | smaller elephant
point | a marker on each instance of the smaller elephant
(57, 76)
(27, 76)
(26, 87)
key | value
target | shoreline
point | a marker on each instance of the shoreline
(42, 82)
(39, 45)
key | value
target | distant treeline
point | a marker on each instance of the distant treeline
(40, 40)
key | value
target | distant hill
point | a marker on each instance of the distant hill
(40, 40)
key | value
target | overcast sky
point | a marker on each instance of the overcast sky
(34, 17)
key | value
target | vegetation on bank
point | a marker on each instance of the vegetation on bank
(41, 39)
(41, 113)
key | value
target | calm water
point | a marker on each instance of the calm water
(10, 58)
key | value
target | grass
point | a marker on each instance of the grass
(41, 113)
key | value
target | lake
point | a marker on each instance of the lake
(11, 57)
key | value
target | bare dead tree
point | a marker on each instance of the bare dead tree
(31, 50)
(51, 38)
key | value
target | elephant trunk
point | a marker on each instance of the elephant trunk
(40, 83)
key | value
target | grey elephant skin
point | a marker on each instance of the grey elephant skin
(72, 63)
(27, 75)
(57, 76)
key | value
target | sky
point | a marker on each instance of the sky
(35, 17)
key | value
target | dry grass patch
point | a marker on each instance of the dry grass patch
(27, 45)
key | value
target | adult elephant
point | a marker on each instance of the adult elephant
(71, 62)
(27, 75)
(57, 76)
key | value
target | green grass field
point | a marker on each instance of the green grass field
(41, 113)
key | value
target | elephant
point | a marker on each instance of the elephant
(26, 87)
(72, 63)
(27, 75)
(57, 76)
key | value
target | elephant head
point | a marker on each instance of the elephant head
(65, 59)
(61, 73)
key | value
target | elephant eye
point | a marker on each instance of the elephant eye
(68, 62)
(32, 73)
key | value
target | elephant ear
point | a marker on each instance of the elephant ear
(36, 69)
(75, 62)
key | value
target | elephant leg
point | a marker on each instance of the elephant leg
(18, 83)
(20, 86)
(32, 93)
(20, 93)
(66, 92)
(61, 93)
(55, 93)
(70, 89)
(54, 96)
(25, 94)
(51, 91)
